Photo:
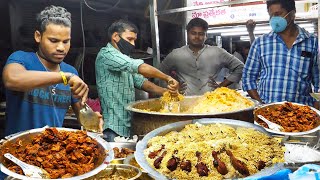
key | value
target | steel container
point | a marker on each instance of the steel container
(145, 121)
(312, 132)
(178, 126)
(120, 145)
(121, 170)
(27, 136)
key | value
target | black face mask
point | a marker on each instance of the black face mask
(125, 47)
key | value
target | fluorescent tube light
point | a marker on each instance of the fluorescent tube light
(262, 29)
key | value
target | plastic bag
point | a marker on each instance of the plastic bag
(306, 172)
(281, 174)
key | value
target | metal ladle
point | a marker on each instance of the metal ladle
(28, 169)
(172, 106)
(89, 119)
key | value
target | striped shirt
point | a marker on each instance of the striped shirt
(285, 74)
(117, 77)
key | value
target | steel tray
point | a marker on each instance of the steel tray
(178, 126)
(26, 136)
(310, 132)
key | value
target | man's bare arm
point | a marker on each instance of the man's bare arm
(152, 88)
(254, 95)
(17, 78)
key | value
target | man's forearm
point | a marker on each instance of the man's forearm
(18, 79)
(152, 88)
(251, 36)
(225, 83)
(254, 95)
(151, 72)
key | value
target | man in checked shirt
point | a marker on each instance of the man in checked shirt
(117, 76)
(285, 60)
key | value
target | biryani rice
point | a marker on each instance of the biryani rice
(247, 145)
(221, 100)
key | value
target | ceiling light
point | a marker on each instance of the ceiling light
(260, 29)
(244, 38)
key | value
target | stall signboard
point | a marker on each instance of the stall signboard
(240, 14)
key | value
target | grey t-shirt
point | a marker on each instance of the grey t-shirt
(196, 69)
(239, 56)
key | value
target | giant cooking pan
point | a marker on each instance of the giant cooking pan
(145, 121)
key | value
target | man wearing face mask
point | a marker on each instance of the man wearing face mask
(117, 76)
(285, 60)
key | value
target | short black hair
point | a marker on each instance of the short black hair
(288, 5)
(197, 22)
(121, 26)
(53, 14)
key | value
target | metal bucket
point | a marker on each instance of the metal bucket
(145, 121)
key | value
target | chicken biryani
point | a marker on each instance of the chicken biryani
(218, 101)
(215, 151)
(221, 100)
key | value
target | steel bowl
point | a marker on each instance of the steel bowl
(129, 145)
(144, 121)
(178, 126)
(274, 105)
(26, 137)
(125, 170)
(144, 175)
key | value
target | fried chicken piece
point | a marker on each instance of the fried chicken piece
(202, 168)
(186, 165)
(172, 163)
(218, 164)
(261, 165)
(154, 154)
(240, 166)
(158, 161)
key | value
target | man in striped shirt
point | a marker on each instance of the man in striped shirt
(117, 76)
(285, 60)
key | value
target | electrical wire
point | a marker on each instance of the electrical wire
(101, 10)
(82, 29)
(83, 41)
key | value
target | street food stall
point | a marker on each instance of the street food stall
(180, 144)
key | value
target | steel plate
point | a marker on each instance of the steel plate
(178, 126)
(312, 131)
(27, 135)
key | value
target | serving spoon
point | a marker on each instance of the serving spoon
(28, 169)
(173, 106)
(89, 119)
(270, 124)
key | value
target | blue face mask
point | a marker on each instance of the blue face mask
(278, 23)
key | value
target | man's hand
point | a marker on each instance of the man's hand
(212, 83)
(100, 121)
(173, 85)
(79, 89)
(250, 24)
(183, 88)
